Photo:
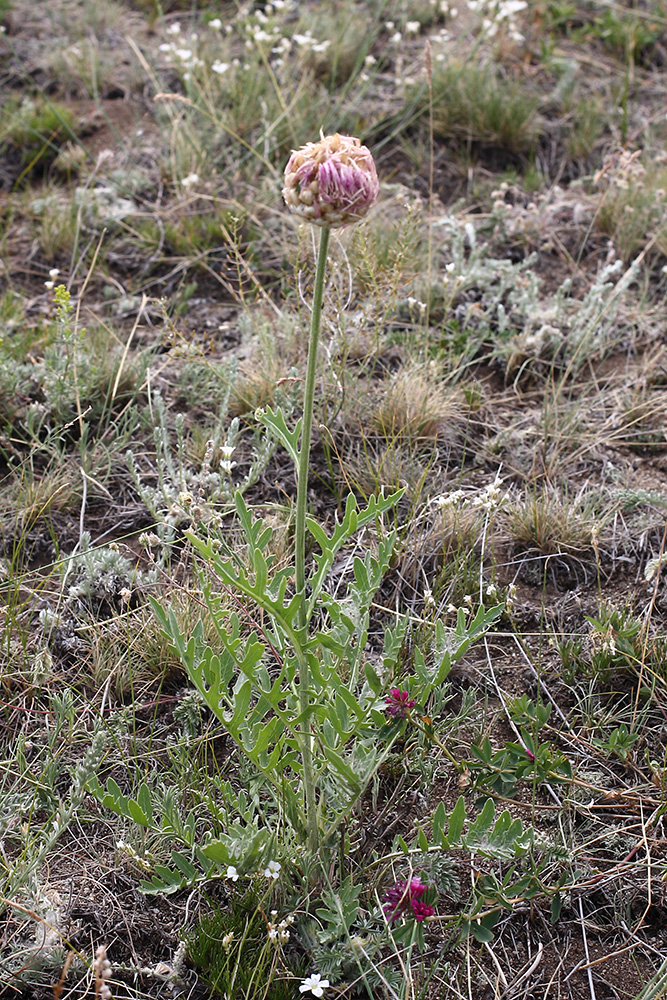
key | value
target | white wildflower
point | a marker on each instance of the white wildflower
(272, 870)
(190, 180)
(232, 873)
(511, 596)
(219, 67)
(315, 984)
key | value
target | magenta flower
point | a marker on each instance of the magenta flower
(421, 910)
(332, 182)
(398, 703)
(404, 899)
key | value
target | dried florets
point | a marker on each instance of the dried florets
(332, 182)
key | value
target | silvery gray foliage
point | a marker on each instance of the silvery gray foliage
(96, 575)
(182, 495)
(37, 944)
(507, 298)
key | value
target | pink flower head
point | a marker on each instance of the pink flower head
(332, 182)
(398, 703)
(421, 910)
(404, 899)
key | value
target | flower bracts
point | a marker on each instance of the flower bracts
(332, 182)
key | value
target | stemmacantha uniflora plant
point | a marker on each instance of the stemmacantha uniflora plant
(280, 658)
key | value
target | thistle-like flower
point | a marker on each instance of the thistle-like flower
(332, 182)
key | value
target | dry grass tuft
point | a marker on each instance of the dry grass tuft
(419, 405)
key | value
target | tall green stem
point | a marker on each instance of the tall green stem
(300, 533)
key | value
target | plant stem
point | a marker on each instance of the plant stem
(300, 534)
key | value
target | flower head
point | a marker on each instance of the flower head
(398, 703)
(420, 911)
(315, 984)
(332, 182)
(404, 899)
(272, 870)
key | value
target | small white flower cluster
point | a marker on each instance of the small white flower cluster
(414, 303)
(466, 606)
(279, 932)
(184, 51)
(53, 274)
(271, 871)
(395, 36)
(499, 14)
(261, 28)
(452, 279)
(307, 41)
(369, 62)
(141, 862)
(457, 498)
(490, 498)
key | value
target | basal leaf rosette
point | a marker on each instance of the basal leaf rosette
(332, 182)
